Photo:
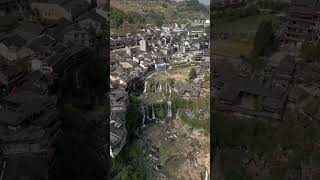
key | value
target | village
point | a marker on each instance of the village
(160, 59)
(279, 94)
(41, 42)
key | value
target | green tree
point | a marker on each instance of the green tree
(310, 51)
(192, 74)
(253, 63)
(265, 40)
(75, 156)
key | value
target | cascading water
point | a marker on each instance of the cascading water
(160, 88)
(147, 110)
(169, 91)
(169, 110)
(77, 79)
(144, 116)
(166, 87)
(153, 114)
(145, 87)
(207, 176)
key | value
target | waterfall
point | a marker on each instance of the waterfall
(147, 110)
(160, 87)
(169, 110)
(144, 116)
(153, 115)
(169, 91)
(207, 176)
(145, 87)
(166, 87)
(155, 87)
(77, 79)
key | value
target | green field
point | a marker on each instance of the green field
(233, 174)
(233, 48)
(243, 32)
(243, 25)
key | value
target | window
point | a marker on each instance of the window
(82, 41)
(76, 35)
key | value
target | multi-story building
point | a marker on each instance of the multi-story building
(303, 20)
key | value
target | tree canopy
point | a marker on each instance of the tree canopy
(192, 74)
(265, 40)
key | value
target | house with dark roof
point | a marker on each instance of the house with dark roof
(252, 98)
(8, 6)
(92, 19)
(11, 45)
(78, 36)
(302, 20)
(41, 46)
(56, 9)
(24, 167)
(56, 29)
(119, 98)
(117, 139)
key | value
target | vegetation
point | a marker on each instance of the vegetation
(154, 12)
(192, 74)
(265, 40)
(128, 164)
(264, 43)
(76, 155)
(310, 51)
(231, 48)
(194, 122)
(231, 14)
(234, 174)
(92, 85)
(157, 17)
(253, 63)
(236, 37)
(206, 77)
(265, 138)
(118, 17)
(199, 107)
(193, 5)
(273, 5)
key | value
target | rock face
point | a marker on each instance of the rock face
(173, 151)
(118, 133)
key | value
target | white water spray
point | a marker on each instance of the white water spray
(145, 87)
(144, 116)
(153, 114)
(169, 111)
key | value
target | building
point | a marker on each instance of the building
(303, 19)
(94, 20)
(56, 9)
(79, 36)
(8, 6)
(11, 45)
(250, 98)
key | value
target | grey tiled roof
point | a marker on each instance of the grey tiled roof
(233, 88)
(26, 166)
(14, 40)
(10, 118)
